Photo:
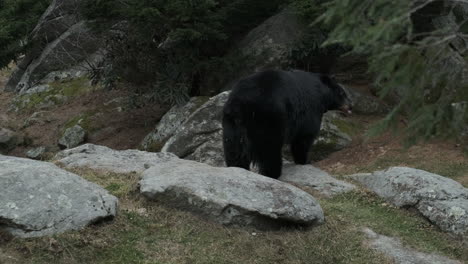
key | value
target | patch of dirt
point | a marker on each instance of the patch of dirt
(446, 158)
(117, 125)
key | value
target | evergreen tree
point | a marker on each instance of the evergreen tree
(417, 50)
(17, 19)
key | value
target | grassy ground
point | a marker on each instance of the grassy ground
(147, 232)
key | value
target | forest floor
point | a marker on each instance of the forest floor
(147, 232)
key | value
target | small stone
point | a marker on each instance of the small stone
(72, 137)
(8, 140)
(36, 153)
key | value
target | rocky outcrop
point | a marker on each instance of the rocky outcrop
(199, 138)
(106, 159)
(314, 178)
(39, 199)
(394, 249)
(170, 123)
(268, 44)
(63, 45)
(442, 200)
(265, 47)
(230, 196)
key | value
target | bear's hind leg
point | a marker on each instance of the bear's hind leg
(266, 151)
(300, 149)
(235, 144)
(271, 165)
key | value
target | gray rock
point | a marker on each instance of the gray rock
(366, 104)
(442, 200)
(393, 248)
(199, 138)
(40, 117)
(103, 158)
(230, 196)
(449, 215)
(314, 178)
(61, 41)
(72, 137)
(210, 152)
(8, 139)
(39, 199)
(202, 128)
(42, 88)
(267, 46)
(169, 123)
(270, 42)
(332, 137)
(36, 153)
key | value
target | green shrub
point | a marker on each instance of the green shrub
(173, 45)
(423, 65)
(17, 20)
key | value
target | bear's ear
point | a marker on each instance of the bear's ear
(327, 80)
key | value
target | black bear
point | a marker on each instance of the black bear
(271, 108)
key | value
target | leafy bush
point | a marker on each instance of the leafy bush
(17, 20)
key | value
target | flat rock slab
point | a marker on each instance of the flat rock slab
(442, 200)
(103, 158)
(38, 199)
(393, 248)
(314, 178)
(230, 196)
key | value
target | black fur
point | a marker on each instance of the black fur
(272, 108)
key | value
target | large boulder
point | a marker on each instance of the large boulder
(269, 43)
(265, 47)
(39, 199)
(89, 156)
(314, 178)
(169, 123)
(442, 200)
(199, 138)
(230, 196)
(61, 42)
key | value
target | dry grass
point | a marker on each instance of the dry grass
(149, 232)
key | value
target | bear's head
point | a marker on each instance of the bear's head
(339, 97)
